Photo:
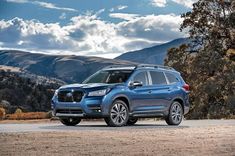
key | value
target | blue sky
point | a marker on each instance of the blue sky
(89, 27)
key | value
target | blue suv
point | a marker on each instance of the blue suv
(122, 94)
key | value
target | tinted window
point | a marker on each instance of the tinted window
(109, 76)
(158, 78)
(141, 77)
(172, 78)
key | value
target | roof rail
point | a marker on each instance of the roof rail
(120, 66)
(140, 66)
(154, 66)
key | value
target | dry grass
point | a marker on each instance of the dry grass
(27, 116)
(28, 121)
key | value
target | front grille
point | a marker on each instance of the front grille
(69, 111)
(70, 96)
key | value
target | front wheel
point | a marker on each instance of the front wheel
(118, 114)
(70, 121)
(175, 114)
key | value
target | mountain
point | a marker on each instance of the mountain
(71, 68)
(152, 55)
(68, 68)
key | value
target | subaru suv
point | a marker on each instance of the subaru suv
(123, 94)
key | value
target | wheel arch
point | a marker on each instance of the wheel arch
(180, 100)
(123, 98)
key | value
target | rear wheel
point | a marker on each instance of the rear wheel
(118, 114)
(132, 121)
(175, 114)
(70, 121)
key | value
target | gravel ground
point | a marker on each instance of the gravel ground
(215, 138)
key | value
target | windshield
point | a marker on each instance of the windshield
(109, 76)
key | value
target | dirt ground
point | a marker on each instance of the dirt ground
(211, 140)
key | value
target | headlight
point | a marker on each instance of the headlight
(99, 92)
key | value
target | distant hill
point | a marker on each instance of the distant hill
(68, 68)
(152, 55)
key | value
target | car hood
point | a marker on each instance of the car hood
(87, 86)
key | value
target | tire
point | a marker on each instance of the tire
(132, 121)
(70, 121)
(175, 114)
(118, 114)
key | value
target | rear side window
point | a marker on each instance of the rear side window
(141, 77)
(172, 78)
(158, 78)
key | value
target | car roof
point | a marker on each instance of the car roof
(140, 66)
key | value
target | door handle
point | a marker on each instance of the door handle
(150, 91)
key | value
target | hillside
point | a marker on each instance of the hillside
(152, 55)
(25, 93)
(68, 68)
(33, 77)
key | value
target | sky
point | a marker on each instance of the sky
(104, 28)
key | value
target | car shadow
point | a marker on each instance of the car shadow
(58, 127)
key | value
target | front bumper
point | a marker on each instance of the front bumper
(87, 108)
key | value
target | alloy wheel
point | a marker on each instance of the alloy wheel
(118, 113)
(176, 113)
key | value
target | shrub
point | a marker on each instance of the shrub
(18, 111)
(2, 113)
(49, 114)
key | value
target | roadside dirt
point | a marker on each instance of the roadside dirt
(211, 140)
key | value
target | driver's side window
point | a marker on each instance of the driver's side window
(141, 77)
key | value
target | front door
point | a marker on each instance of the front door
(141, 96)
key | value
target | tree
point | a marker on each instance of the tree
(211, 23)
(207, 63)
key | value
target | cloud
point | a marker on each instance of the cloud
(152, 27)
(17, 1)
(33, 35)
(123, 16)
(51, 6)
(119, 7)
(90, 35)
(163, 3)
(99, 12)
(158, 3)
(43, 4)
(187, 3)
(62, 16)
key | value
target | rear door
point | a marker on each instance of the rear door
(160, 91)
(175, 84)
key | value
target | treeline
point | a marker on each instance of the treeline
(208, 63)
(24, 93)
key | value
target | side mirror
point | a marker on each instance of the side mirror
(136, 84)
